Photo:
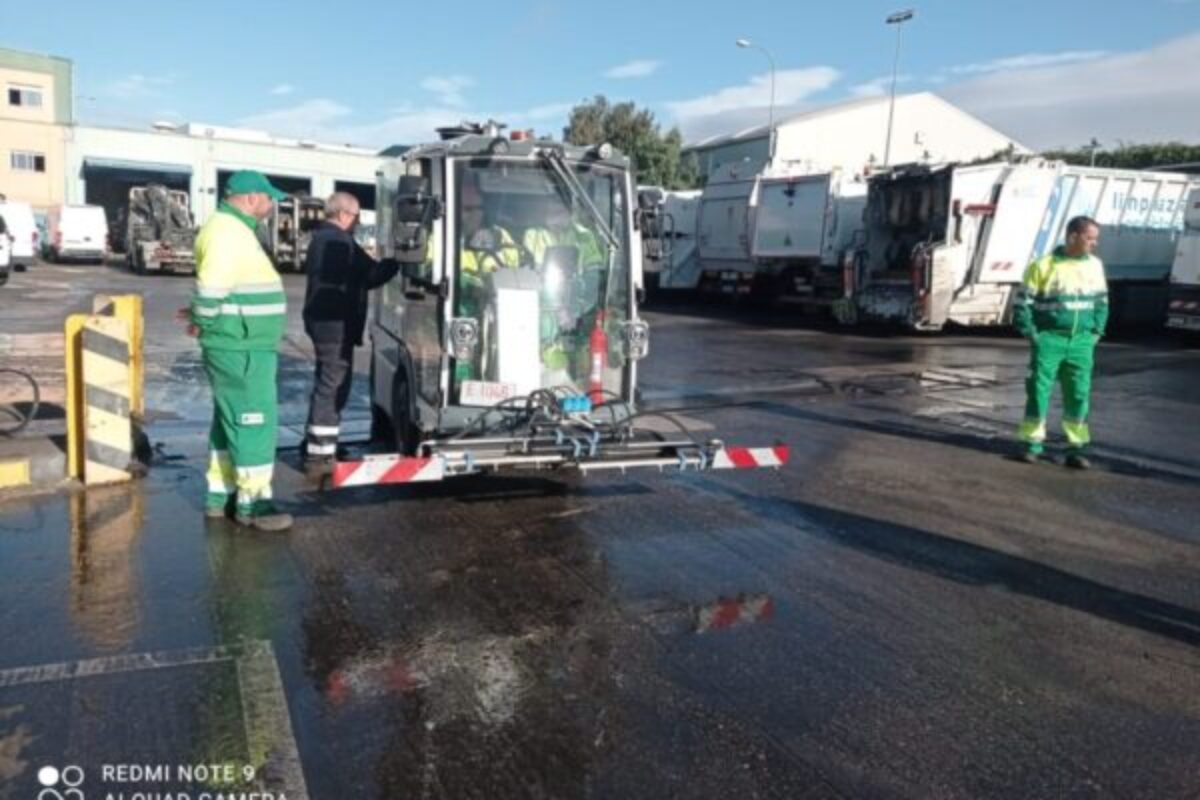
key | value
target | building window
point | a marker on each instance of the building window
(23, 96)
(27, 162)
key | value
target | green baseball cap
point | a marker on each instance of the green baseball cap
(248, 181)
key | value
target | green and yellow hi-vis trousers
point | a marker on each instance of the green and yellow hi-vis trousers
(1059, 357)
(244, 427)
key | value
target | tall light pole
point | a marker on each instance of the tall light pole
(898, 19)
(771, 108)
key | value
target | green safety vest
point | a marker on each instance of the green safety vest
(239, 303)
(536, 240)
(1062, 294)
(474, 260)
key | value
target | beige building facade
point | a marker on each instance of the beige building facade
(35, 115)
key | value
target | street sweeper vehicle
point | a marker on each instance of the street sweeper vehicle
(511, 339)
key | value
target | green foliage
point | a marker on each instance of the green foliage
(1132, 156)
(655, 155)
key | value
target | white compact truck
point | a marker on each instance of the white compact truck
(951, 243)
(512, 338)
(1183, 302)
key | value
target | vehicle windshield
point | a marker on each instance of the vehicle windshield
(533, 270)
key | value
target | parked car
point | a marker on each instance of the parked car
(78, 232)
(23, 232)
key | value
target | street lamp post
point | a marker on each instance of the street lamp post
(744, 43)
(898, 19)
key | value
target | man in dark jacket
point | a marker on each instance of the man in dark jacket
(340, 273)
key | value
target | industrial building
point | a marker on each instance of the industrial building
(47, 158)
(103, 163)
(853, 136)
(35, 114)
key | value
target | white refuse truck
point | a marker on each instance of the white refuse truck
(668, 228)
(512, 339)
(951, 243)
(771, 232)
(1183, 301)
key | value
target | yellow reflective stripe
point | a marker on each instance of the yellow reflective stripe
(1032, 430)
(1077, 433)
(220, 476)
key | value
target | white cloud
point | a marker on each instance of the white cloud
(640, 68)
(737, 107)
(138, 86)
(877, 87)
(1029, 61)
(325, 120)
(1143, 95)
(449, 89)
(279, 90)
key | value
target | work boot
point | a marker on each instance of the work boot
(267, 520)
(317, 469)
(1078, 461)
(221, 512)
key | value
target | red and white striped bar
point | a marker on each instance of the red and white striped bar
(750, 457)
(390, 469)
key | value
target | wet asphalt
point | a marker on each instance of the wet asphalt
(902, 611)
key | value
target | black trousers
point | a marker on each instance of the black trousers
(331, 390)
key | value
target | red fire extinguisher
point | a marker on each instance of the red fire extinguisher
(598, 350)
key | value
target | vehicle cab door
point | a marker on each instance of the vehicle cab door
(406, 326)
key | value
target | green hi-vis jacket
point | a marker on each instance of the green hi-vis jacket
(1063, 294)
(239, 302)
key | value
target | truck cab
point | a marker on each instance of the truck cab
(521, 279)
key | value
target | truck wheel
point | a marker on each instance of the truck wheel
(405, 434)
(3, 277)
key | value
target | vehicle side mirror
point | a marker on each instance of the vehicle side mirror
(416, 209)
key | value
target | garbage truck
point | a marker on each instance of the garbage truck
(668, 238)
(771, 232)
(1183, 299)
(160, 233)
(511, 338)
(950, 243)
(286, 232)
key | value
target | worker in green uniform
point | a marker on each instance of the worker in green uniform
(239, 313)
(1062, 308)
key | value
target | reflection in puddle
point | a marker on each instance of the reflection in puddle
(731, 612)
(105, 525)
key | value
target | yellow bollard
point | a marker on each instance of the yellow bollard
(72, 340)
(128, 307)
(107, 406)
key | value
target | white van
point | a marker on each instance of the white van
(22, 232)
(77, 232)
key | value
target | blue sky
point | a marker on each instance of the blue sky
(1047, 72)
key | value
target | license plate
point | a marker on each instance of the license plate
(485, 393)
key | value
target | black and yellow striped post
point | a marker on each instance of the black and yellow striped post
(128, 307)
(107, 405)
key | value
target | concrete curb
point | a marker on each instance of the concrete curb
(33, 462)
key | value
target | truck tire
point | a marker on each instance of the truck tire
(405, 434)
(3, 277)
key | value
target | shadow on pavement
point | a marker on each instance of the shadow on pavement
(997, 446)
(975, 565)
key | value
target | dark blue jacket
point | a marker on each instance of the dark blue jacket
(340, 273)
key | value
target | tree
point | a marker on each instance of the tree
(655, 156)
(1131, 156)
